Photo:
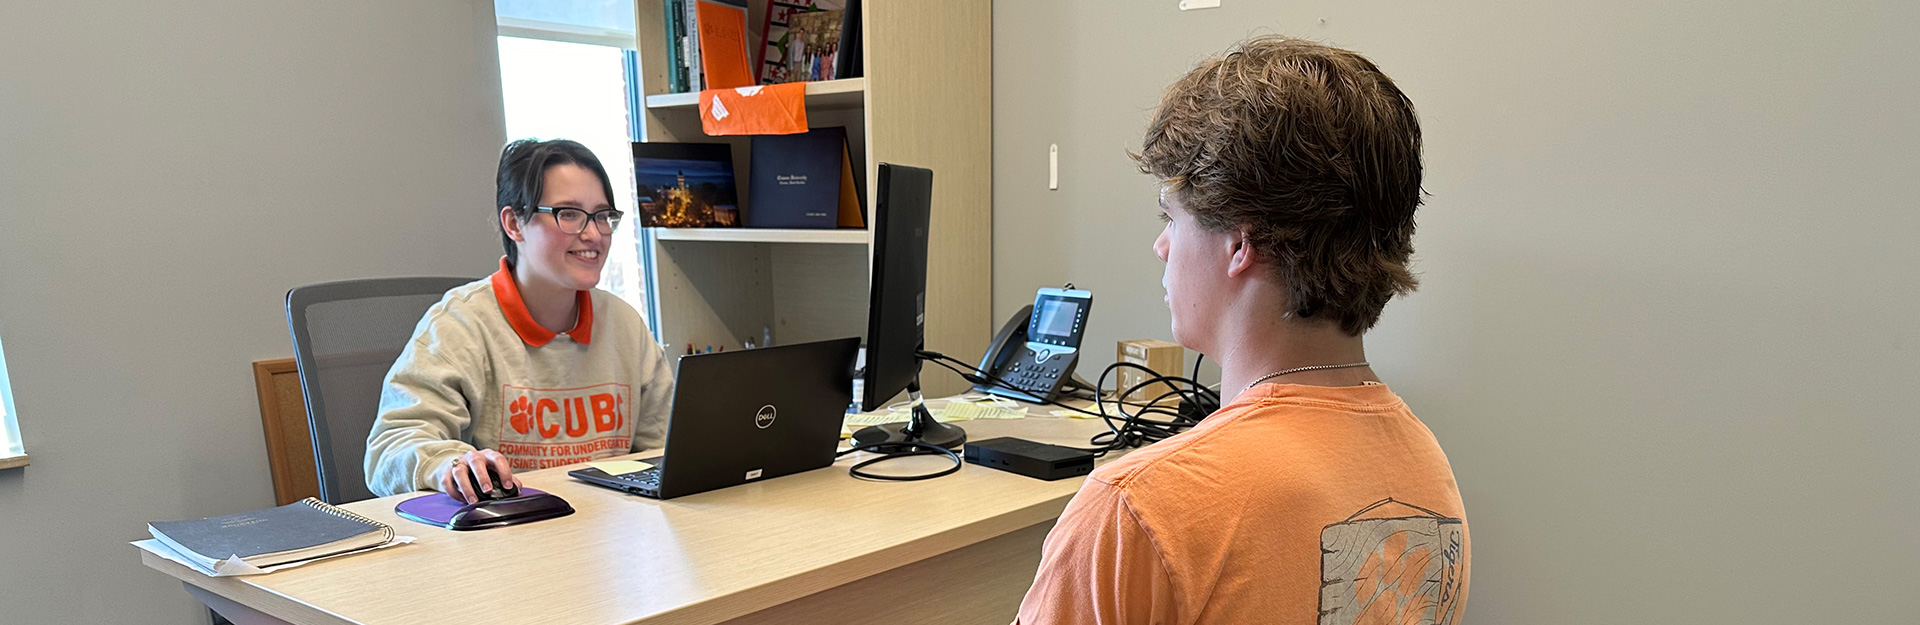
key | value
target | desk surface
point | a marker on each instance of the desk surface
(697, 559)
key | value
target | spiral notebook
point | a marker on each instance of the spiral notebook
(302, 530)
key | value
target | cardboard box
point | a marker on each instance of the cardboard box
(1163, 357)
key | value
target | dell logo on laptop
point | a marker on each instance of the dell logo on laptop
(766, 416)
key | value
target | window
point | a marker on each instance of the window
(10, 447)
(564, 74)
(601, 22)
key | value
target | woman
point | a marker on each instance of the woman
(531, 367)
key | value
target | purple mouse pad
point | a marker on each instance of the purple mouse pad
(437, 509)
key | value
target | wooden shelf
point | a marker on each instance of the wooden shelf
(845, 236)
(843, 93)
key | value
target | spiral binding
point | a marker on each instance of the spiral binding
(317, 504)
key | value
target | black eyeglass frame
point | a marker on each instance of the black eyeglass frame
(606, 226)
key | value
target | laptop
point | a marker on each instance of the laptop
(746, 416)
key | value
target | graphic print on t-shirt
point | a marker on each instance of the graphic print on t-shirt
(553, 427)
(1390, 569)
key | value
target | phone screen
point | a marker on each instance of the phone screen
(1057, 317)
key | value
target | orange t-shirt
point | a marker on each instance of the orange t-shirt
(1293, 504)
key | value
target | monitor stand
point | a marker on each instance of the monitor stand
(920, 428)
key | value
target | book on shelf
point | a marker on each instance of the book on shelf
(802, 40)
(803, 181)
(722, 29)
(852, 202)
(676, 45)
(696, 79)
(685, 185)
(302, 530)
(849, 62)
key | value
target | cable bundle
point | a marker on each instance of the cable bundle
(1149, 423)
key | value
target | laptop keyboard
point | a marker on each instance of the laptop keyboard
(648, 479)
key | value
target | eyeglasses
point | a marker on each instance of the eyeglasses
(574, 220)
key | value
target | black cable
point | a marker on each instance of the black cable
(986, 378)
(903, 449)
(1205, 407)
(1134, 428)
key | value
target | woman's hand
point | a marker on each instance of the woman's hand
(476, 463)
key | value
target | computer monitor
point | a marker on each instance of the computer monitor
(897, 308)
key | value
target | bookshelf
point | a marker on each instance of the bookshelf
(925, 100)
(842, 93)
(846, 236)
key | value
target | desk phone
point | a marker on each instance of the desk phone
(1037, 349)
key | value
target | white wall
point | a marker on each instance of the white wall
(1667, 327)
(167, 172)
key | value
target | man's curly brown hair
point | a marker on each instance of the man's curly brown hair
(1315, 153)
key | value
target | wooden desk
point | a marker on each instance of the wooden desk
(818, 547)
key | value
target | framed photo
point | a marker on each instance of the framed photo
(685, 185)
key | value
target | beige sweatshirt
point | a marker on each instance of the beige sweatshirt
(480, 373)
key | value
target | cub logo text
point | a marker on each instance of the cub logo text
(554, 427)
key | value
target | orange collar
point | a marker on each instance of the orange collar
(536, 335)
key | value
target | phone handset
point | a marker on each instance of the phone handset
(1037, 348)
(1013, 333)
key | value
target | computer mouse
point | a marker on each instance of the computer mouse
(499, 492)
(509, 511)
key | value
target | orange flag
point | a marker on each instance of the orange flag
(768, 110)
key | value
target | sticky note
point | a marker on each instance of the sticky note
(956, 410)
(863, 419)
(620, 467)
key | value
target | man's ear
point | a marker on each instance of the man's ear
(1242, 256)
(511, 225)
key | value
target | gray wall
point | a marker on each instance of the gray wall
(1666, 332)
(167, 172)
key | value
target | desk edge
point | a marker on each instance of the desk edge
(742, 602)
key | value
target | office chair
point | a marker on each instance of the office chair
(346, 336)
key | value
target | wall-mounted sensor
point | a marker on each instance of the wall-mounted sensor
(1053, 166)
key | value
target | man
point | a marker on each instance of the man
(1290, 172)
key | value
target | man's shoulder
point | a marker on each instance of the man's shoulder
(1121, 473)
(1168, 463)
(1220, 459)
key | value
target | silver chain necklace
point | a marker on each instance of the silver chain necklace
(1282, 372)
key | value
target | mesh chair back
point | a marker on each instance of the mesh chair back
(346, 336)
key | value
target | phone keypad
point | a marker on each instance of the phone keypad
(1034, 377)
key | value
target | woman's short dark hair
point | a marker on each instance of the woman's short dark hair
(523, 168)
(1315, 153)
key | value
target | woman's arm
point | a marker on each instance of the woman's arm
(655, 399)
(416, 436)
